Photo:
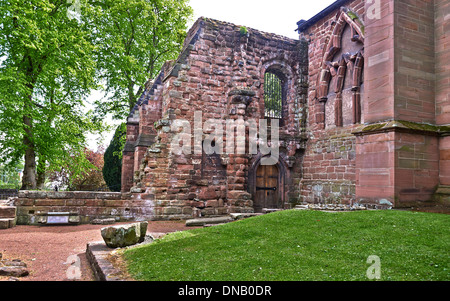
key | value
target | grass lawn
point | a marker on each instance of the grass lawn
(302, 245)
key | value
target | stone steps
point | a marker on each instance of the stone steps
(7, 217)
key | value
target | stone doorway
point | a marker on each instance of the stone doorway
(268, 188)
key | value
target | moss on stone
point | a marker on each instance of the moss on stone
(406, 148)
(408, 125)
(373, 127)
(355, 17)
(243, 30)
(425, 127)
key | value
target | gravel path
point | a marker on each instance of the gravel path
(46, 249)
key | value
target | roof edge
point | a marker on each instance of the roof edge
(304, 25)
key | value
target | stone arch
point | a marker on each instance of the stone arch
(337, 67)
(284, 176)
(279, 65)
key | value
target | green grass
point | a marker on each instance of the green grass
(301, 245)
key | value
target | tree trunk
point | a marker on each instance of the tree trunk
(131, 97)
(40, 181)
(29, 171)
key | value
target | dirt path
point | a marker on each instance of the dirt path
(46, 249)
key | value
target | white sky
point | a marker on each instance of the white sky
(274, 16)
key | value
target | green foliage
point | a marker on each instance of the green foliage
(243, 30)
(50, 61)
(273, 95)
(47, 69)
(134, 38)
(112, 169)
(10, 176)
(301, 245)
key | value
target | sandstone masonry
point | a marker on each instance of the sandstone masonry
(362, 99)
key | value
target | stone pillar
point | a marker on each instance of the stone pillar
(375, 177)
(239, 199)
(443, 191)
(128, 168)
(442, 28)
(397, 153)
(379, 68)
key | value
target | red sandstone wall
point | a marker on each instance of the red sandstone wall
(400, 53)
(213, 75)
(414, 61)
(400, 167)
(329, 161)
(128, 158)
(442, 42)
(87, 205)
(444, 163)
(416, 169)
(375, 168)
(400, 85)
(379, 71)
(442, 47)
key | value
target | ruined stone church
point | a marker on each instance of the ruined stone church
(361, 99)
(357, 109)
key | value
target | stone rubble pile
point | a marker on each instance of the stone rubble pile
(13, 268)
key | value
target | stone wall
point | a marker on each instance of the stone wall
(365, 114)
(399, 154)
(220, 75)
(442, 36)
(87, 205)
(414, 61)
(329, 167)
(400, 161)
(329, 161)
(397, 163)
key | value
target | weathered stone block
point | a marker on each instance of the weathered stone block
(7, 212)
(124, 235)
(104, 221)
(13, 271)
(207, 221)
(4, 223)
(59, 195)
(74, 219)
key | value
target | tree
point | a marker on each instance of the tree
(112, 169)
(134, 39)
(90, 179)
(48, 64)
(10, 176)
(47, 67)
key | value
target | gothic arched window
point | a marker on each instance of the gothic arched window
(274, 95)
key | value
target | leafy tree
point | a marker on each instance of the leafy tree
(47, 67)
(112, 169)
(90, 179)
(50, 61)
(10, 176)
(134, 39)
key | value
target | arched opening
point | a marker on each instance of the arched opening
(268, 188)
(340, 80)
(275, 92)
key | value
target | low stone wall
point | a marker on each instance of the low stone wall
(123, 207)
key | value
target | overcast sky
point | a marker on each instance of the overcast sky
(274, 16)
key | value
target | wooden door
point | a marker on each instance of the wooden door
(267, 188)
